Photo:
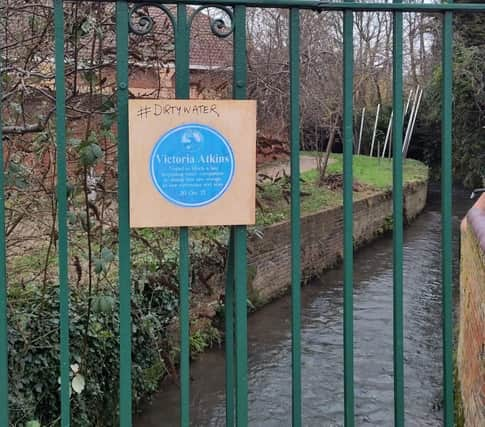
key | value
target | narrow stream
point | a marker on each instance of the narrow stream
(322, 350)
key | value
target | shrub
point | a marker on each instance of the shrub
(34, 350)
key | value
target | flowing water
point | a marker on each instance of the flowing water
(322, 350)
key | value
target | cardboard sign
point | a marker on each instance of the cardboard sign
(192, 162)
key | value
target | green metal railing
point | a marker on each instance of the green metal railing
(295, 214)
(62, 210)
(397, 208)
(348, 137)
(124, 278)
(236, 279)
(446, 215)
(3, 289)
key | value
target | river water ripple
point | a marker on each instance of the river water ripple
(322, 349)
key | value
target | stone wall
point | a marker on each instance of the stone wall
(471, 343)
(321, 240)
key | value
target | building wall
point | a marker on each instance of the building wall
(471, 343)
(321, 240)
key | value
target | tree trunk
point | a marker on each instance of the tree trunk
(323, 163)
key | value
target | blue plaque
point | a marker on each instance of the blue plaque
(192, 165)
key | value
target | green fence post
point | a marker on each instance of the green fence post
(348, 135)
(295, 215)
(240, 273)
(229, 332)
(3, 285)
(62, 210)
(182, 91)
(184, 310)
(446, 215)
(240, 237)
(397, 201)
(124, 213)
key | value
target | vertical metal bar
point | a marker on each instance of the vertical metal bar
(413, 122)
(229, 333)
(240, 237)
(295, 215)
(348, 134)
(375, 129)
(411, 116)
(361, 130)
(388, 135)
(3, 286)
(62, 210)
(182, 90)
(241, 371)
(184, 315)
(397, 202)
(446, 217)
(123, 213)
(182, 46)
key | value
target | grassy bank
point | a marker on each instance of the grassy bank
(370, 176)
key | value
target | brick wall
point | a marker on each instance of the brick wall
(471, 343)
(321, 240)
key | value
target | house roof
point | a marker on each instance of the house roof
(206, 48)
(207, 51)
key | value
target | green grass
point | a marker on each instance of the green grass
(373, 175)
(378, 172)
